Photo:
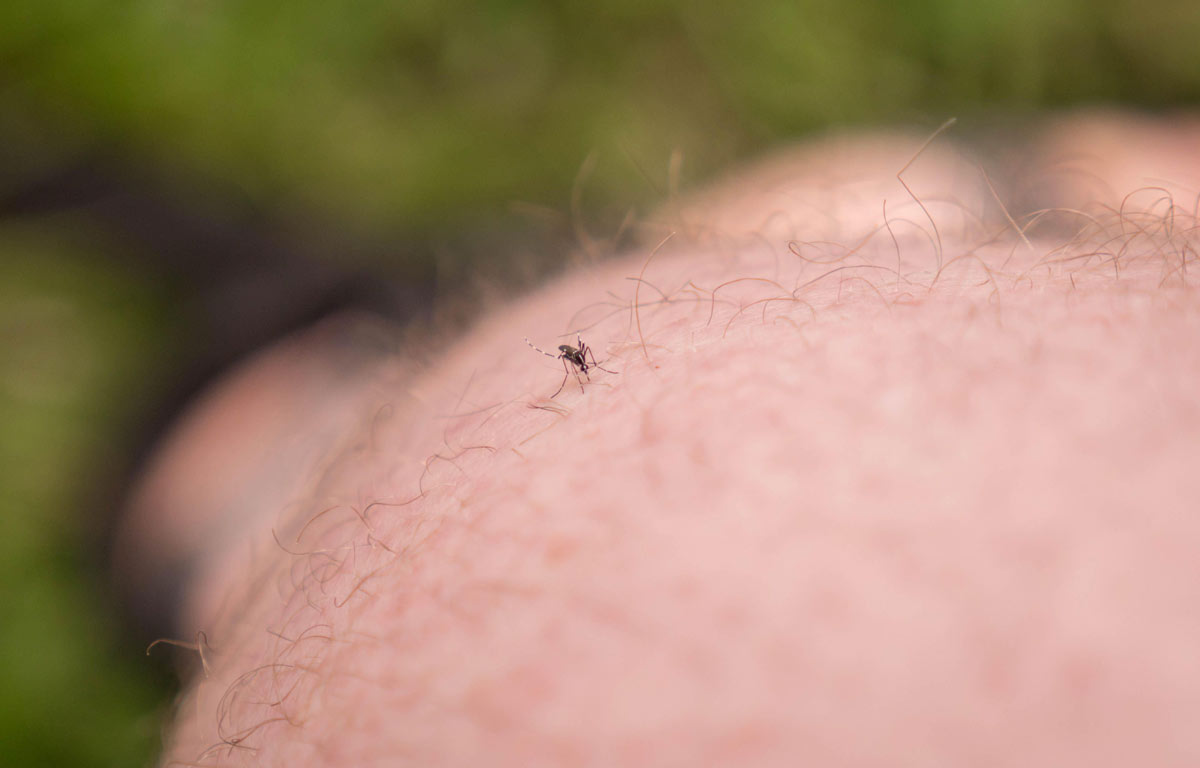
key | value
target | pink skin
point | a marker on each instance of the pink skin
(850, 510)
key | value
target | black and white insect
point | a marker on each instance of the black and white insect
(574, 359)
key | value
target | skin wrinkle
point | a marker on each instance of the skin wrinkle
(910, 546)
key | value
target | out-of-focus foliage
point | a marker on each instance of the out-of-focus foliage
(420, 112)
(74, 336)
(387, 117)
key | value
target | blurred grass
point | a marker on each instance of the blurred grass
(75, 336)
(423, 112)
(412, 117)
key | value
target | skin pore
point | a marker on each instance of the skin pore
(902, 483)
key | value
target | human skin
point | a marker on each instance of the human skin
(856, 494)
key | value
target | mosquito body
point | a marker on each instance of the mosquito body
(575, 360)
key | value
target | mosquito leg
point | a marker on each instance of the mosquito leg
(597, 365)
(564, 381)
(575, 371)
(539, 349)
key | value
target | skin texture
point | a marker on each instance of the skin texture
(861, 492)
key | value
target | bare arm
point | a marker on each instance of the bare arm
(863, 490)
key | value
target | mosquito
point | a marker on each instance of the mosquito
(575, 360)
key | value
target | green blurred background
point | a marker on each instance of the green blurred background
(169, 169)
